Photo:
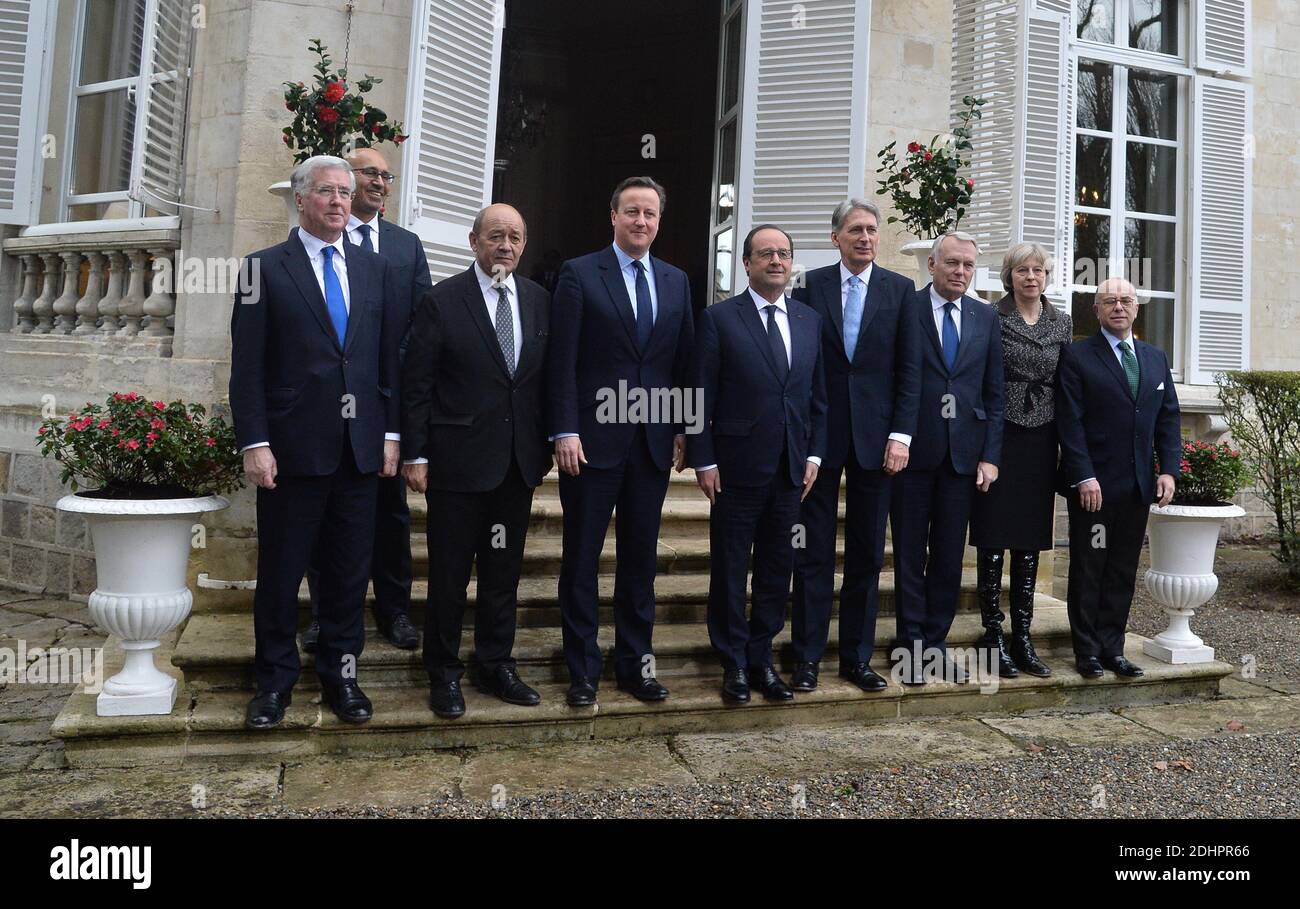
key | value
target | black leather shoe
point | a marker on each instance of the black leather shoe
(735, 686)
(1089, 667)
(581, 693)
(771, 684)
(506, 684)
(864, 677)
(446, 699)
(348, 702)
(400, 632)
(266, 709)
(310, 637)
(1120, 666)
(645, 689)
(804, 677)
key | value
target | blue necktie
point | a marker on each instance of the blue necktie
(950, 338)
(644, 314)
(776, 343)
(852, 315)
(365, 237)
(338, 310)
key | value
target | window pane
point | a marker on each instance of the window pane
(1153, 25)
(1096, 20)
(1096, 91)
(1091, 247)
(100, 211)
(722, 278)
(1149, 251)
(114, 30)
(1152, 104)
(1154, 322)
(726, 172)
(1151, 179)
(731, 65)
(105, 132)
(1085, 320)
(1092, 172)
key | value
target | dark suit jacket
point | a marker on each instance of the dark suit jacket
(1104, 432)
(410, 271)
(593, 347)
(750, 417)
(461, 409)
(288, 375)
(878, 393)
(968, 425)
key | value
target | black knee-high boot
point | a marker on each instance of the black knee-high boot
(989, 581)
(1024, 572)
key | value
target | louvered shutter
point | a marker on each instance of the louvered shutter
(803, 119)
(1220, 227)
(1223, 36)
(23, 25)
(451, 116)
(1014, 55)
(161, 98)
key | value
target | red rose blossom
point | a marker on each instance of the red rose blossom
(133, 444)
(929, 157)
(211, 442)
(327, 115)
(334, 92)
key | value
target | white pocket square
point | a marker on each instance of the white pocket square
(1160, 387)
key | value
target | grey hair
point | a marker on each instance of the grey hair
(305, 172)
(477, 226)
(845, 208)
(955, 235)
(1018, 255)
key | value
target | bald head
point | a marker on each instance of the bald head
(1115, 306)
(372, 191)
(498, 238)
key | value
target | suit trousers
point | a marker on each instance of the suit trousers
(465, 529)
(636, 488)
(335, 512)
(929, 514)
(1105, 547)
(866, 514)
(390, 566)
(759, 520)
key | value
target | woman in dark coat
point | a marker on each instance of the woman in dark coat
(1017, 512)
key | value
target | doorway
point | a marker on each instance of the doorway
(592, 91)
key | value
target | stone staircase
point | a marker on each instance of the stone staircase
(213, 654)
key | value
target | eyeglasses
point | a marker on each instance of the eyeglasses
(326, 192)
(1126, 302)
(372, 172)
(768, 254)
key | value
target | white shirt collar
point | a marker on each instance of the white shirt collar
(939, 302)
(354, 222)
(489, 286)
(314, 244)
(780, 303)
(624, 260)
(845, 274)
(1115, 339)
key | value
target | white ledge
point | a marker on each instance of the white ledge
(86, 505)
(109, 225)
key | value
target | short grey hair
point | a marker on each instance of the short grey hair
(845, 208)
(1018, 255)
(305, 173)
(955, 235)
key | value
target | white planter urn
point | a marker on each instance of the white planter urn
(920, 250)
(1181, 577)
(284, 189)
(142, 551)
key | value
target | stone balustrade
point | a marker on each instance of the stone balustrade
(94, 284)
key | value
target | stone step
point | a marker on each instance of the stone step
(209, 726)
(216, 650)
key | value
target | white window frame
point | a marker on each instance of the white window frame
(728, 10)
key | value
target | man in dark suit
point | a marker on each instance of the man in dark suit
(621, 325)
(1116, 409)
(759, 363)
(390, 568)
(474, 440)
(872, 352)
(955, 451)
(314, 392)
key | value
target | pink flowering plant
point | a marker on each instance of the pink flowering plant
(1209, 474)
(134, 448)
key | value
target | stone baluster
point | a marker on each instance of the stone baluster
(131, 308)
(43, 306)
(23, 322)
(65, 307)
(116, 263)
(88, 305)
(160, 303)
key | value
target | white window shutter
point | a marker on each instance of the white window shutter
(451, 118)
(803, 133)
(23, 50)
(1220, 227)
(157, 171)
(1014, 55)
(1223, 43)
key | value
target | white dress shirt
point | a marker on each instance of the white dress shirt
(354, 235)
(629, 281)
(490, 296)
(865, 277)
(939, 303)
